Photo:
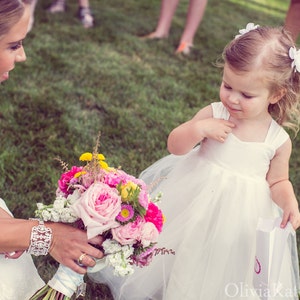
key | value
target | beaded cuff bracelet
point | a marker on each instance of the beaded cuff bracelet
(40, 239)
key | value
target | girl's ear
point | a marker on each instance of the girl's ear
(277, 96)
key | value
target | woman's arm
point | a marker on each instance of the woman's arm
(67, 244)
(282, 191)
(186, 136)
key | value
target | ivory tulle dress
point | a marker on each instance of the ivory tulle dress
(19, 278)
(212, 200)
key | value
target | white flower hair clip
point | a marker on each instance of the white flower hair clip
(249, 27)
(294, 54)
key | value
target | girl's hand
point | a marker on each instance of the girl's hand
(217, 129)
(186, 136)
(291, 214)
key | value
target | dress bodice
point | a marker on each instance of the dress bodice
(245, 158)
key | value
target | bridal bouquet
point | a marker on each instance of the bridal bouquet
(108, 202)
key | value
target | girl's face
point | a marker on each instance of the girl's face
(245, 95)
(11, 48)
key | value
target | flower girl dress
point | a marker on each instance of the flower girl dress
(19, 278)
(212, 200)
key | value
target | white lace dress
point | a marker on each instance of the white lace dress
(212, 200)
(19, 278)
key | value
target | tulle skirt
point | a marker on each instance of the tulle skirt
(207, 247)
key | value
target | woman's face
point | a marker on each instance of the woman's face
(11, 49)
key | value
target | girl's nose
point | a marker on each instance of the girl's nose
(21, 55)
(234, 98)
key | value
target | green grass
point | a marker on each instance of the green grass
(78, 82)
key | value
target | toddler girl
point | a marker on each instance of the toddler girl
(214, 193)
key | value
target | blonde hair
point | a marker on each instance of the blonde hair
(10, 13)
(267, 49)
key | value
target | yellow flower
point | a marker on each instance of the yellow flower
(78, 174)
(103, 165)
(101, 157)
(164, 218)
(87, 156)
(127, 189)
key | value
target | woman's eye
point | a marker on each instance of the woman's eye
(227, 87)
(16, 46)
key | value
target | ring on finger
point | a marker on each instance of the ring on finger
(81, 257)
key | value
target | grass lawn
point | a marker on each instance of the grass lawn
(77, 82)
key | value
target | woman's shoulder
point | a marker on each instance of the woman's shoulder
(4, 206)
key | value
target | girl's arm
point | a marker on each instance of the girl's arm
(186, 136)
(282, 191)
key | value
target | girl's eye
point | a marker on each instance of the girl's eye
(247, 96)
(16, 46)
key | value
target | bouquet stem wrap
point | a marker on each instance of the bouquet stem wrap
(62, 286)
(65, 281)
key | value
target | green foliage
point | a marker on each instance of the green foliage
(77, 82)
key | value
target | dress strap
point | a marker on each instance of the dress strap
(276, 135)
(220, 111)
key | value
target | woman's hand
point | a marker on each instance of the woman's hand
(71, 247)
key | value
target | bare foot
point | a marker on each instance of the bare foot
(184, 48)
(153, 36)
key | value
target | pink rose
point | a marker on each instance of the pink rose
(129, 233)
(68, 178)
(144, 199)
(155, 216)
(149, 234)
(98, 207)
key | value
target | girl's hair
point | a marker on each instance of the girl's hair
(10, 13)
(266, 49)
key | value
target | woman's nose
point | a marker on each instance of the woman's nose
(21, 55)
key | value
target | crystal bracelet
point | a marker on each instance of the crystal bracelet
(40, 239)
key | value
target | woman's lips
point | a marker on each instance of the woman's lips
(5, 76)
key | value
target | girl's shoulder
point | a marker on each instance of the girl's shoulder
(277, 135)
